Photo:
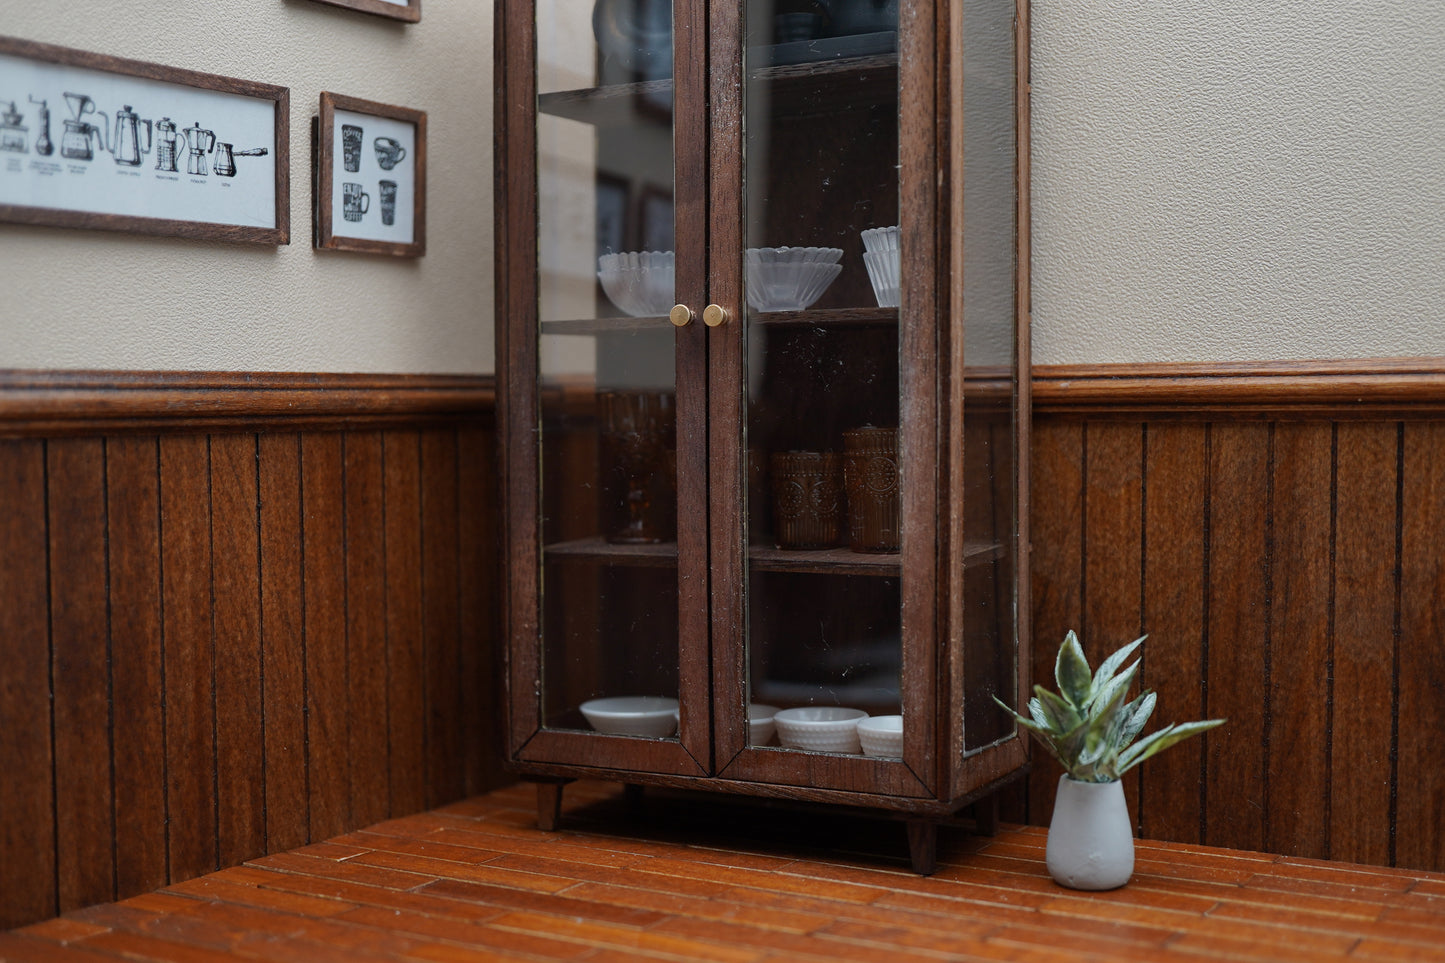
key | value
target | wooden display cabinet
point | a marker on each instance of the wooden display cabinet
(650, 526)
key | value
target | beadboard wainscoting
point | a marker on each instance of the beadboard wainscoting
(240, 613)
(1276, 531)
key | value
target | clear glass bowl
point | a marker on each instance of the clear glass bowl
(880, 239)
(639, 282)
(790, 278)
(883, 272)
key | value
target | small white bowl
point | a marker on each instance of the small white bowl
(881, 239)
(881, 736)
(654, 716)
(790, 278)
(883, 272)
(820, 728)
(760, 724)
(639, 282)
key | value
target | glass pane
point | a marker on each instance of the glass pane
(989, 244)
(821, 327)
(608, 447)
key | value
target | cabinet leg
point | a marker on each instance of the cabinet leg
(985, 816)
(923, 845)
(549, 805)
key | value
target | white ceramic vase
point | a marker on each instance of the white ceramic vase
(1091, 841)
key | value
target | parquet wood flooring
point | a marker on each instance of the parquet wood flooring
(690, 877)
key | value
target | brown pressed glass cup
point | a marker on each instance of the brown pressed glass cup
(870, 473)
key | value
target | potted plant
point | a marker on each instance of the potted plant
(1090, 726)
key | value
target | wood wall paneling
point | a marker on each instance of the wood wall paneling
(187, 657)
(1363, 657)
(283, 642)
(323, 548)
(80, 671)
(1419, 816)
(441, 579)
(1174, 502)
(1302, 546)
(133, 517)
(28, 881)
(222, 643)
(405, 657)
(1237, 631)
(200, 609)
(239, 679)
(1289, 581)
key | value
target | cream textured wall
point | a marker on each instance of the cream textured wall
(1213, 180)
(90, 299)
(1234, 180)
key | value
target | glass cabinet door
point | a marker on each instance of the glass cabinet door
(619, 394)
(858, 392)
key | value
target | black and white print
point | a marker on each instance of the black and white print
(75, 138)
(373, 177)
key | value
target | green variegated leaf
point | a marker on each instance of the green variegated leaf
(1135, 715)
(1105, 675)
(1036, 711)
(1062, 716)
(1071, 671)
(1113, 693)
(1158, 741)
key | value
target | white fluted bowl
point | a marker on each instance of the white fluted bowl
(790, 278)
(880, 239)
(641, 283)
(654, 716)
(883, 273)
(820, 728)
(881, 736)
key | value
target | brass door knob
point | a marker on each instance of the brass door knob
(712, 316)
(680, 315)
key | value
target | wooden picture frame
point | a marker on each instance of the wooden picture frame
(226, 177)
(408, 11)
(614, 214)
(369, 153)
(655, 216)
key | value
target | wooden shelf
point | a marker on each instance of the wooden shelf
(828, 318)
(606, 325)
(598, 549)
(761, 558)
(813, 87)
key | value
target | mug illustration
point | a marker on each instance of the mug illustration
(389, 152)
(351, 147)
(354, 201)
(388, 203)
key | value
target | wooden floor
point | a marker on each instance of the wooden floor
(681, 877)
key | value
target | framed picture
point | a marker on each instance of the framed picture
(408, 10)
(656, 219)
(93, 141)
(612, 197)
(370, 177)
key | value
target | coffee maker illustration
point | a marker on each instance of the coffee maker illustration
(43, 145)
(169, 143)
(225, 163)
(12, 133)
(125, 146)
(79, 135)
(201, 141)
